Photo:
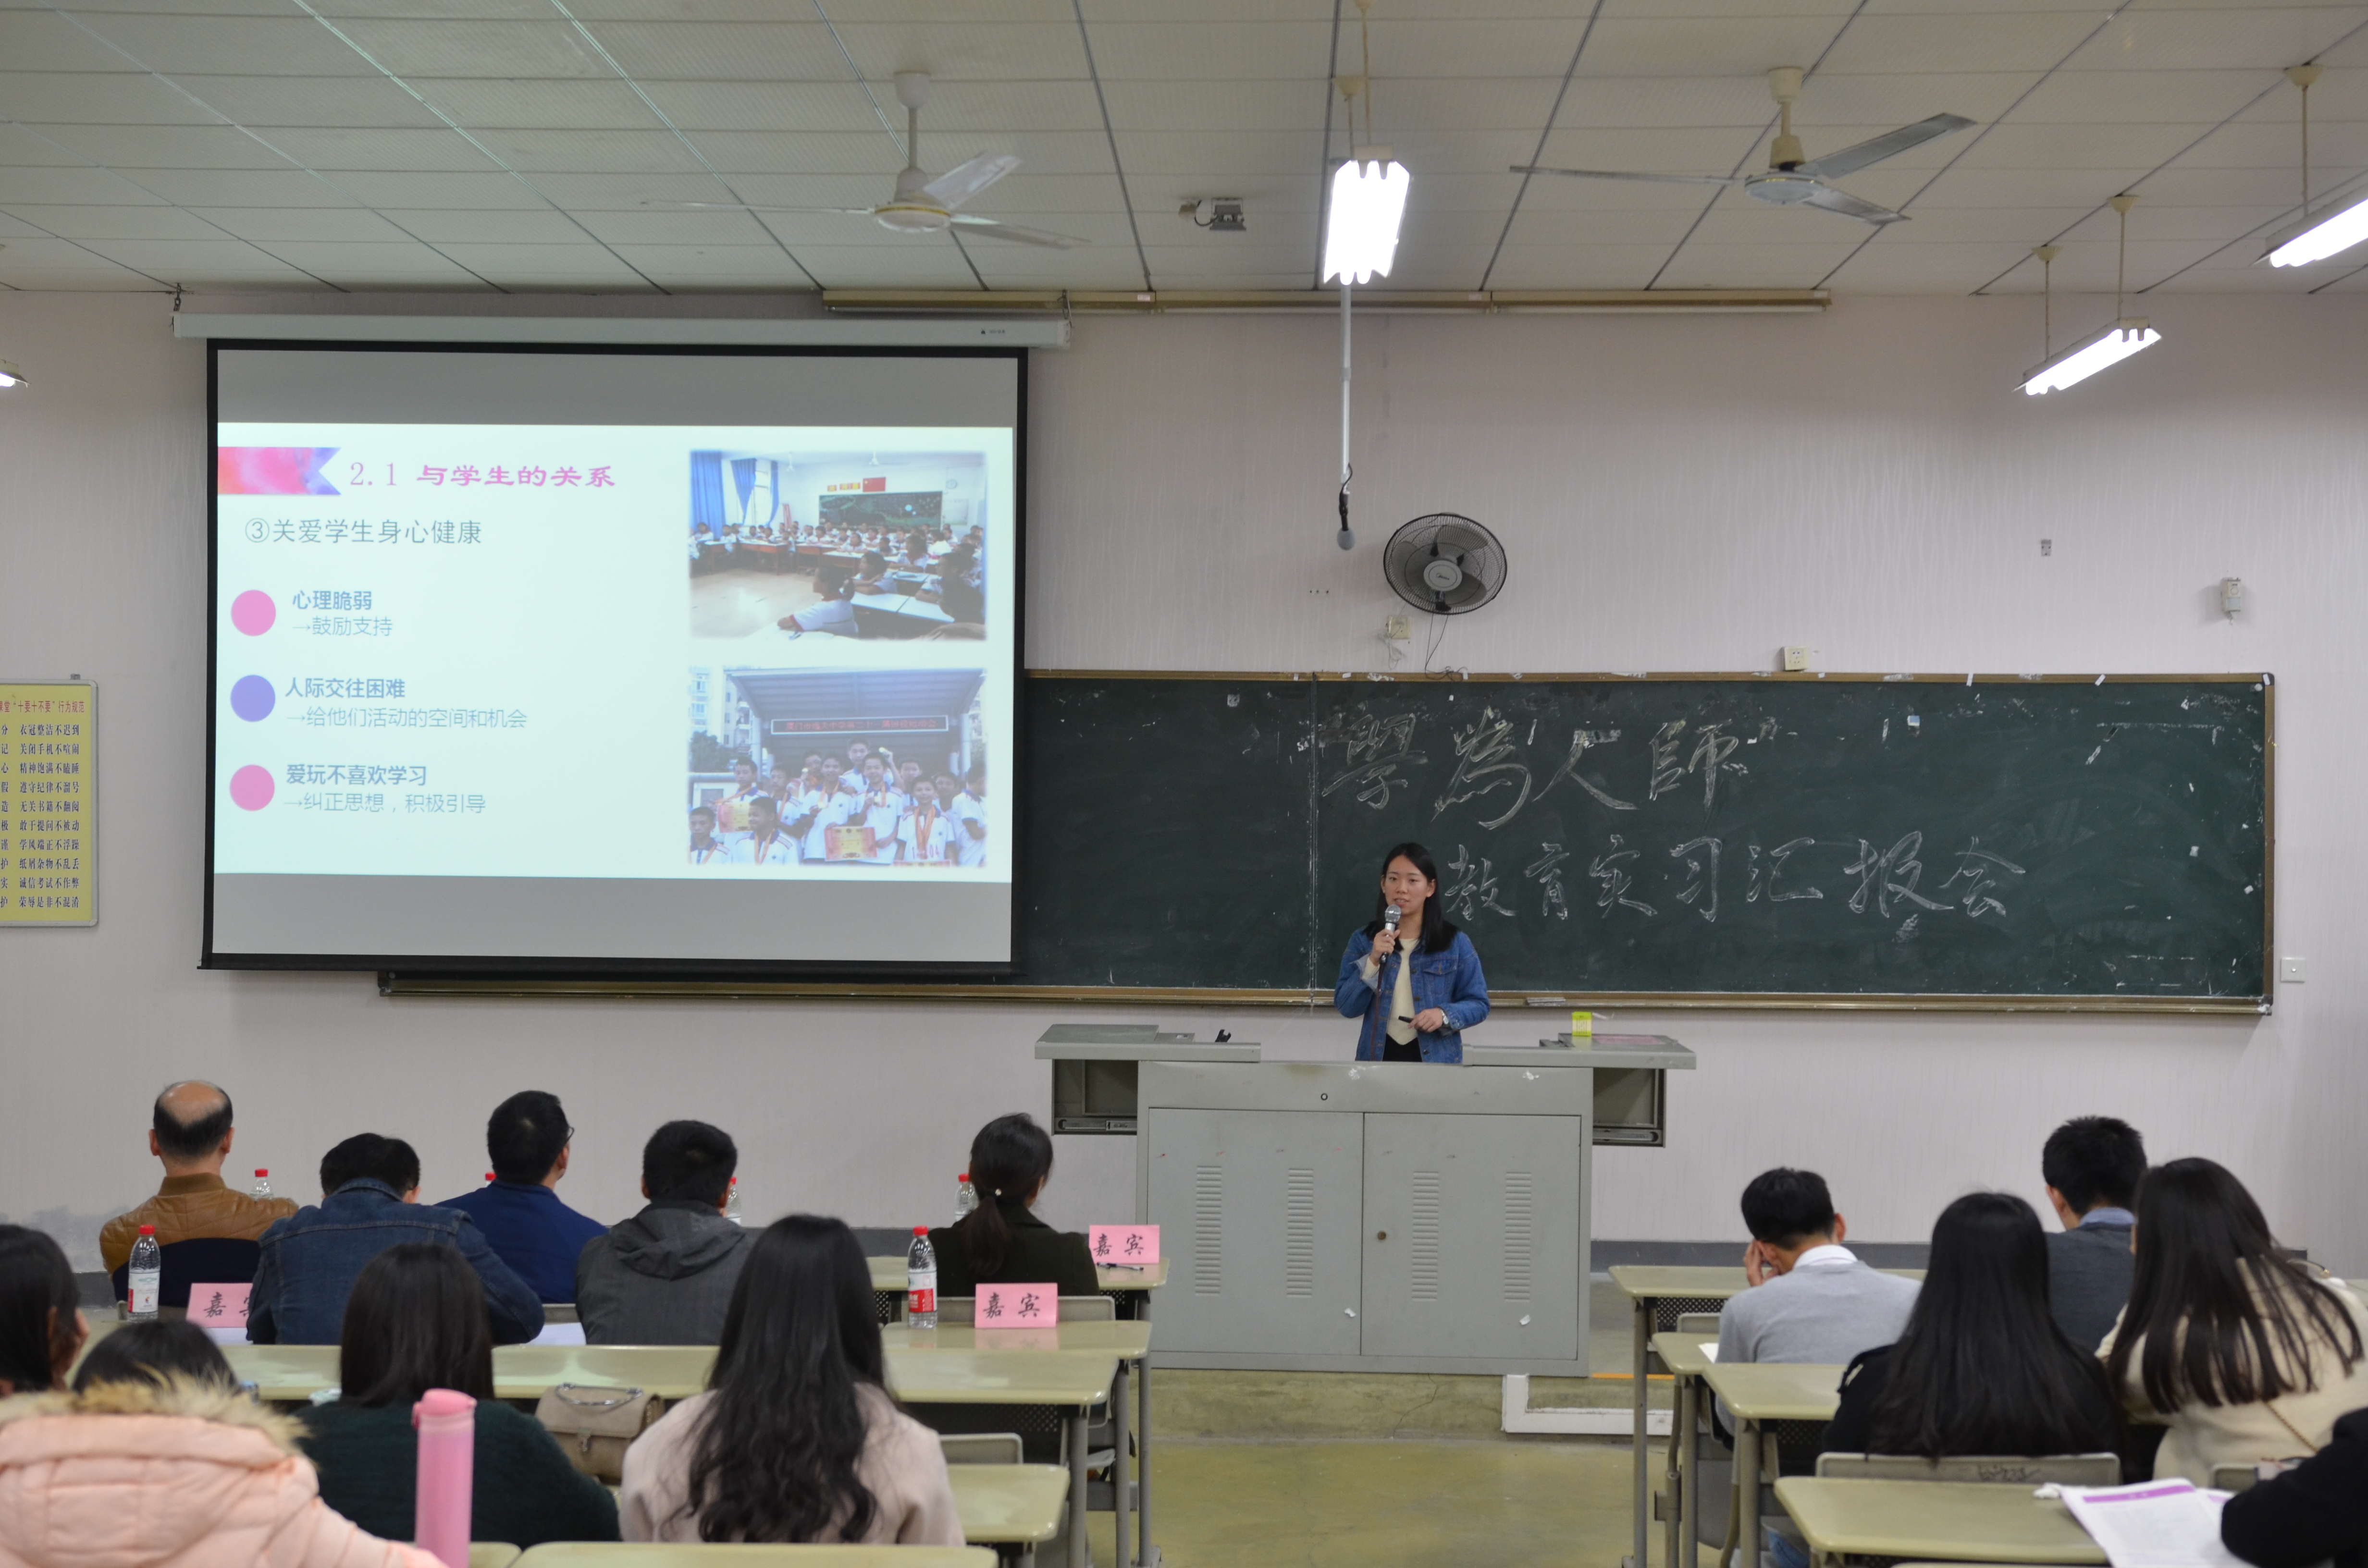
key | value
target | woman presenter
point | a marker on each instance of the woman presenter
(1411, 975)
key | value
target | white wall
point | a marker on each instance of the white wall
(1680, 493)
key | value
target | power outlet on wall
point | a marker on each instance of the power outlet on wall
(2293, 971)
(1797, 657)
(1397, 628)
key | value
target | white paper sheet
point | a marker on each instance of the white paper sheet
(2158, 1524)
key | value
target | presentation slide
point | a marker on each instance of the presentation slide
(544, 658)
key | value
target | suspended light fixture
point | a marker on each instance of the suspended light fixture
(2099, 350)
(2313, 239)
(1360, 230)
(10, 376)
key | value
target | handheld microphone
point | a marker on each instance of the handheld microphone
(1390, 918)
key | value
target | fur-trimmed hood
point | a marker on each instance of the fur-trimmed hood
(187, 1475)
(181, 1396)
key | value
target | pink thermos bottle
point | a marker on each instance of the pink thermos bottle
(447, 1420)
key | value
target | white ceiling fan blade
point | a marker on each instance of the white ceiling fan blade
(1826, 198)
(996, 229)
(963, 181)
(744, 207)
(1891, 143)
(1611, 173)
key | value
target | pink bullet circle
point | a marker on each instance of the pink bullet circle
(253, 613)
(250, 789)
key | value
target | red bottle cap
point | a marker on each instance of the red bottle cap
(964, 1176)
(917, 1230)
(147, 1229)
(262, 1172)
(489, 1176)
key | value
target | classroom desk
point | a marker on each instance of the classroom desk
(1127, 1339)
(1069, 1376)
(492, 1554)
(1009, 1505)
(639, 1555)
(897, 615)
(888, 1276)
(1755, 1394)
(1660, 1295)
(1686, 1358)
(1950, 1521)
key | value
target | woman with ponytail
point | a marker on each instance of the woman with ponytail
(1000, 1241)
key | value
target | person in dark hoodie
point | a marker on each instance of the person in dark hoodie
(665, 1276)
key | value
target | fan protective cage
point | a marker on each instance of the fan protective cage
(1416, 558)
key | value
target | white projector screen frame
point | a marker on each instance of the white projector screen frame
(839, 921)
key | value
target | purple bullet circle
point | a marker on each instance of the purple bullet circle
(252, 698)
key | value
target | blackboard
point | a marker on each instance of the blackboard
(2002, 841)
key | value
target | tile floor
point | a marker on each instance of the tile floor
(1386, 1503)
(735, 603)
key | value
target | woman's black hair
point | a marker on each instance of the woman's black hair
(1982, 1367)
(2224, 1315)
(777, 1454)
(1438, 930)
(416, 1320)
(155, 1352)
(831, 580)
(1008, 1161)
(37, 1301)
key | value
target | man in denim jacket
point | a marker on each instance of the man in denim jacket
(371, 1202)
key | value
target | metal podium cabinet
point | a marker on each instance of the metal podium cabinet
(1263, 1209)
(1368, 1216)
(1471, 1235)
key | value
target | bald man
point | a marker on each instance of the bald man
(191, 1136)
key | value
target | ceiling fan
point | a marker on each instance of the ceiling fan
(923, 205)
(1792, 180)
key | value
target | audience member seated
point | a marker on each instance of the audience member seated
(796, 1439)
(523, 1220)
(41, 1325)
(2092, 1166)
(2313, 1513)
(155, 1457)
(155, 1352)
(191, 1136)
(957, 595)
(834, 612)
(369, 1201)
(2227, 1341)
(665, 1276)
(1000, 1241)
(1982, 1367)
(417, 1321)
(1810, 1299)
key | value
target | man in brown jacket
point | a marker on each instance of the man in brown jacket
(192, 1137)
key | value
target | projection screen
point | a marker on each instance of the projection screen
(537, 660)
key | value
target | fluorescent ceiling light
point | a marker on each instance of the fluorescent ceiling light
(2336, 231)
(1361, 238)
(2091, 355)
(10, 376)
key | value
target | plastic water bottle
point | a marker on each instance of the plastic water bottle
(447, 1421)
(262, 1188)
(921, 1281)
(147, 1275)
(732, 1202)
(965, 1197)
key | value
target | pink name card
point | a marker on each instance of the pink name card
(1123, 1246)
(218, 1306)
(1017, 1306)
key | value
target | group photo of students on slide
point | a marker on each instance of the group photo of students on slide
(858, 807)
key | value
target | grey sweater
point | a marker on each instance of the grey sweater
(663, 1276)
(1824, 1313)
(2089, 1280)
